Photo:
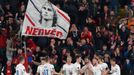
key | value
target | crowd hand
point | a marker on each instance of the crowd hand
(91, 44)
(63, 61)
(88, 41)
(83, 63)
(113, 46)
(63, 41)
(33, 57)
(36, 63)
(60, 73)
(85, 33)
(59, 42)
(122, 43)
(90, 66)
(71, 43)
(97, 29)
(81, 8)
(105, 72)
(127, 61)
(87, 21)
(16, 16)
(78, 43)
(28, 49)
(52, 45)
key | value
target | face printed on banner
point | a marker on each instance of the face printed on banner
(47, 12)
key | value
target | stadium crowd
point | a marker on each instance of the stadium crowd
(99, 30)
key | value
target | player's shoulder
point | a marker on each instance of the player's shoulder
(117, 66)
(104, 65)
(65, 65)
(49, 65)
(72, 65)
(76, 64)
(40, 66)
(20, 65)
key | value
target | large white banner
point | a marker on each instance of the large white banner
(42, 18)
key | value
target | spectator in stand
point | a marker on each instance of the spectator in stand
(131, 57)
(36, 59)
(3, 39)
(82, 9)
(86, 34)
(127, 65)
(105, 15)
(9, 68)
(74, 33)
(91, 24)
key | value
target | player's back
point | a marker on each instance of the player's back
(20, 69)
(40, 70)
(77, 67)
(48, 68)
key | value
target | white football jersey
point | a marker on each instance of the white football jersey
(115, 70)
(40, 69)
(97, 70)
(77, 67)
(20, 70)
(48, 69)
(68, 69)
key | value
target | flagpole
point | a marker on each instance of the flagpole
(23, 46)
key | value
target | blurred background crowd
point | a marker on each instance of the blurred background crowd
(104, 27)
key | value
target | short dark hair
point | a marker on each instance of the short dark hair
(46, 58)
(87, 57)
(78, 56)
(42, 58)
(21, 58)
(113, 59)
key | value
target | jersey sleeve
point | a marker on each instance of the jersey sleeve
(63, 68)
(38, 69)
(52, 66)
(118, 70)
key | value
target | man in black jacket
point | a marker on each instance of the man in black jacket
(131, 57)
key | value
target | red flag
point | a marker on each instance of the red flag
(26, 62)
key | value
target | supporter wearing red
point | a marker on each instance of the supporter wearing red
(86, 34)
(31, 44)
(9, 68)
(3, 38)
